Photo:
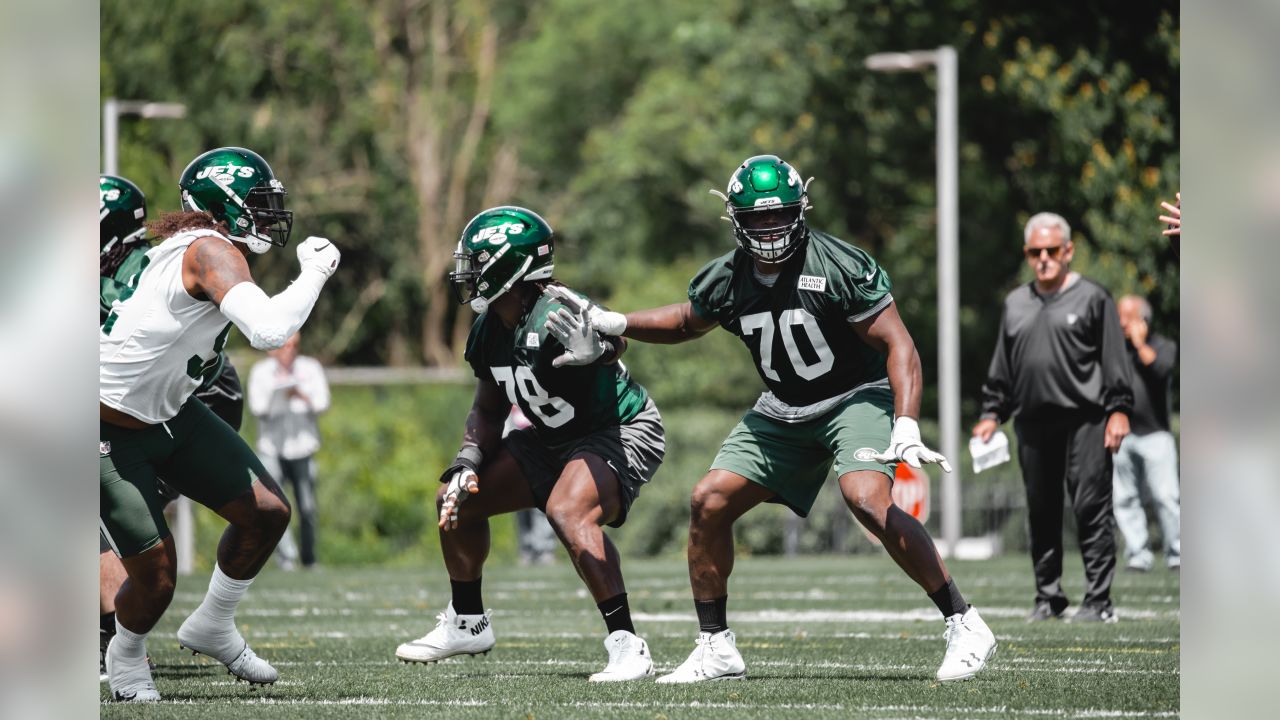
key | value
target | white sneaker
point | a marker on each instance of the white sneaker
(129, 680)
(970, 644)
(715, 657)
(454, 634)
(629, 658)
(223, 643)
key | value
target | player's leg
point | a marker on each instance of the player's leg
(1089, 479)
(718, 500)
(586, 496)
(111, 575)
(1130, 517)
(131, 520)
(761, 460)
(1160, 461)
(464, 628)
(215, 467)
(864, 423)
(286, 552)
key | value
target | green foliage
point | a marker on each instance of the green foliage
(378, 470)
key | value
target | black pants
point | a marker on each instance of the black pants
(300, 474)
(1065, 449)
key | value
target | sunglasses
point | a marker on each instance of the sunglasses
(1054, 251)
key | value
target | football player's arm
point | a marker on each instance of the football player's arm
(214, 269)
(481, 435)
(667, 325)
(886, 333)
(483, 429)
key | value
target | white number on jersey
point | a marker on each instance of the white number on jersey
(523, 382)
(763, 321)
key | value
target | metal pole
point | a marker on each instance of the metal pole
(184, 528)
(948, 294)
(110, 133)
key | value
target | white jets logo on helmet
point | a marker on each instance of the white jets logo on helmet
(497, 234)
(225, 174)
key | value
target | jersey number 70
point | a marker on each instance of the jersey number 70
(763, 321)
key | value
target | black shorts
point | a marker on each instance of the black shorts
(633, 451)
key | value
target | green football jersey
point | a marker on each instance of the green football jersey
(120, 286)
(798, 329)
(565, 403)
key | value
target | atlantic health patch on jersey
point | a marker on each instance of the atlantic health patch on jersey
(811, 282)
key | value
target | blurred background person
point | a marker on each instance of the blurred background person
(1148, 456)
(1173, 223)
(287, 393)
(1060, 370)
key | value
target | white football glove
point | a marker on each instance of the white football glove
(582, 345)
(318, 254)
(606, 322)
(905, 446)
(462, 485)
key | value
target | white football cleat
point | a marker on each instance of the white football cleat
(629, 658)
(454, 634)
(223, 643)
(715, 657)
(129, 680)
(970, 644)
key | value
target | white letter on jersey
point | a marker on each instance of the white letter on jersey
(826, 358)
(763, 322)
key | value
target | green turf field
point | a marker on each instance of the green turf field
(822, 637)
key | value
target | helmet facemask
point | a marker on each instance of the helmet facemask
(771, 232)
(270, 221)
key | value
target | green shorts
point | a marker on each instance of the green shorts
(197, 454)
(794, 459)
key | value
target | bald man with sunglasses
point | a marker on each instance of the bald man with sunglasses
(1061, 371)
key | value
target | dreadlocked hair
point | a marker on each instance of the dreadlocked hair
(110, 261)
(172, 223)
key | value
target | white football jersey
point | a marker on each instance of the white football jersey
(155, 347)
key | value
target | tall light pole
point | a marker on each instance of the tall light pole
(944, 59)
(112, 109)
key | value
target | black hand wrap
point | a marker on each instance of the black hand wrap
(469, 457)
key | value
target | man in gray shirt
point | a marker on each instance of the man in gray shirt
(1060, 370)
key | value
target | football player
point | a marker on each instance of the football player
(122, 253)
(156, 348)
(596, 438)
(844, 384)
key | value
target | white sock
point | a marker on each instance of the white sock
(129, 645)
(223, 597)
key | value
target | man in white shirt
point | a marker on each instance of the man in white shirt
(287, 392)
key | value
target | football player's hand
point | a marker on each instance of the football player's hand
(606, 322)
(582, 346)
(317, 253)
(462, 484)
(905, 446)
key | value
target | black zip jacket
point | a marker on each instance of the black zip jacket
(1057, 353)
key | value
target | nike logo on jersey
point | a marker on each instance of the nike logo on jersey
(870, 275)
(812, 283)
(318, 248)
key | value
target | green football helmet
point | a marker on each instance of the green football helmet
(499, 248)
(237, 187)
(122, 212)
(766, 201)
